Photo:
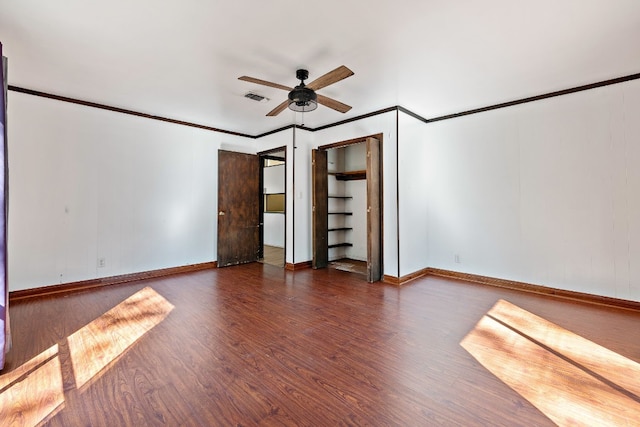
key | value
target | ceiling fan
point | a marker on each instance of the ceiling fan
(303, 97)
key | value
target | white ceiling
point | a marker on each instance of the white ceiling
(181, 59)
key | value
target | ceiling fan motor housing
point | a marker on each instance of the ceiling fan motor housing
(301, 97)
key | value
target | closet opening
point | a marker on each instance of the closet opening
(347, 207)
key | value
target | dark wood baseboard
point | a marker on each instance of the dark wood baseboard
(538, 289)
(45, 291)
(297, 266)
(404, 279)
(392, 280)
(15, 296)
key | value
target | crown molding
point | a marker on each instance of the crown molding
(330, 125)
(122, 110)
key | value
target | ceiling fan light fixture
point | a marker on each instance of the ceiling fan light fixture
(302, 99)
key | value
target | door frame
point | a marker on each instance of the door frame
(263, 156)
(380, 243)
(319, 209)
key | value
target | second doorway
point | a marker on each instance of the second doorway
(273, 207)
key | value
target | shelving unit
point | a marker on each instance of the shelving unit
(339, 227)
(346, 175)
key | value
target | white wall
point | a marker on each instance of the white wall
(355, 157)
(303, 238)
(413, 175)
(87, 184)
(544, 193)
(274, 179)
(274, 223)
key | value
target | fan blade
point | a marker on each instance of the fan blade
(264, 82)
(331, 77)
(279, 109)
(332, 103)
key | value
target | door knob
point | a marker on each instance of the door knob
(221, 213)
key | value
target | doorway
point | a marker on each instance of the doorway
(347, 206)
(273, 202)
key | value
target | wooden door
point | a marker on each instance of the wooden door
(320, 197)
(374, 216)
(238, 208)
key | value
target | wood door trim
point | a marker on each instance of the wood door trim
(319, 209)
(348, 142)
(374, 209)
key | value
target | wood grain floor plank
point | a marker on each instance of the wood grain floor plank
(259, 345)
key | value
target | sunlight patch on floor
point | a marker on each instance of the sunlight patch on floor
(570, 379)
(35, 390)
(102, 341)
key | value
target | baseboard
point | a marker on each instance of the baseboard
(392, 280)
(297, 266)
(404, 279)
(538, 289)
(44, 291)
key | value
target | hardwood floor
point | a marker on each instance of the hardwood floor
(259, 345)
(273, 255)
(350, 265)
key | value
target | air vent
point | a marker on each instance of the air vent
(255, 97)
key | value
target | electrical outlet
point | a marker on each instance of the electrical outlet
(102, 262)
(456, 258)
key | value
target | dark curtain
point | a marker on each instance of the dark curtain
(5, 339)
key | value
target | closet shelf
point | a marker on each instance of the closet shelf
(340, 213)
(341, 197)
(340, 229)
(350, 176)
(339, 245)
